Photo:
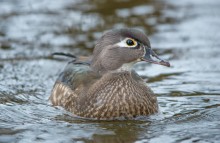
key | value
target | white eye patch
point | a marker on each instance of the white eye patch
(127, 42)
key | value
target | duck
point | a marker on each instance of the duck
(105, 86)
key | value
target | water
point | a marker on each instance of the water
(184, 31)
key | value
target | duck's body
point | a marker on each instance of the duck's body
(88, 94)
(93, 89)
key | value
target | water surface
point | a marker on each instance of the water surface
(184, 32)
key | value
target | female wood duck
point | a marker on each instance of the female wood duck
(104, 86)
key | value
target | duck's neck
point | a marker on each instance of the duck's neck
(125, 67)
(110, 67)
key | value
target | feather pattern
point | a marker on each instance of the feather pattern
(88, 94)
(104, 86)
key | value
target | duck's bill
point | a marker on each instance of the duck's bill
(151, 57)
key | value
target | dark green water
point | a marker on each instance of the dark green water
(186, 32)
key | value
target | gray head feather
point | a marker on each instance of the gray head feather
(108, 56)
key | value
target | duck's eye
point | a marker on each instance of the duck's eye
(130, 42)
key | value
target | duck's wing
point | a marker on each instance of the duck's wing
(72, 83)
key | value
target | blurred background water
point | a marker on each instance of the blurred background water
(185, 32)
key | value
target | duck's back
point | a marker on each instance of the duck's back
(85, 93)
(72, 84)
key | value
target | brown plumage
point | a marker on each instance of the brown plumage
(104, 86)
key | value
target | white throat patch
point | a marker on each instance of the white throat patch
(126, 67)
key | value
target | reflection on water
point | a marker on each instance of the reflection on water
(185, 32)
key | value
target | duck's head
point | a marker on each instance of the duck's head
(121, 48)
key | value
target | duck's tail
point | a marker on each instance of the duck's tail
(75, 58)
(64, 54)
